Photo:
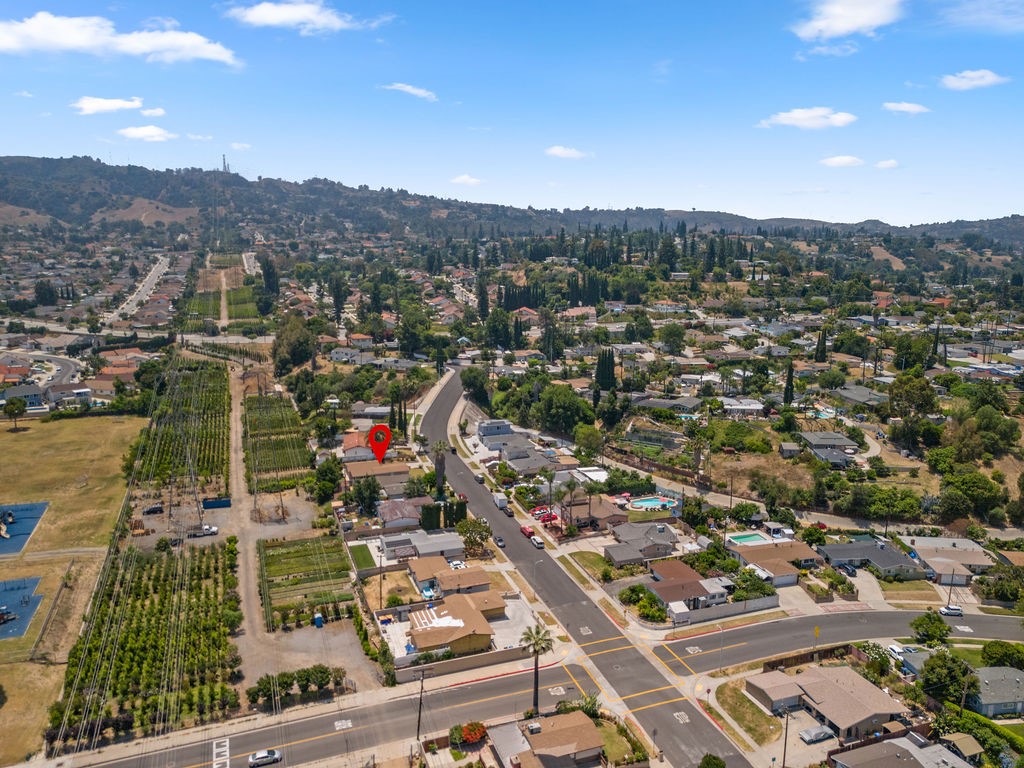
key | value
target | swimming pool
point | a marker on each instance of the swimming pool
(652, 502)
(746, 538)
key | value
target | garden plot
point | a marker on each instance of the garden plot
(300, 578)
(276, 453)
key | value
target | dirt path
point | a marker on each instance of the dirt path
(263, 652)
(224, 319)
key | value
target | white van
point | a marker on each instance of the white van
(896, 652)
(951, 610)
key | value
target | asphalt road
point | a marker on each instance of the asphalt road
(345, 730)
(651, 692)
(714, 650)
(68, 367)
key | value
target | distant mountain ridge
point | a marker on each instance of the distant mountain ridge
(82, 190)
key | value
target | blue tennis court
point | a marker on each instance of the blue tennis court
(26, 517)
(18, 597)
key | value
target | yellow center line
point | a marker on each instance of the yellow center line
(671, 671)
(644, 693)
(573, 678)
(595, 642)
(611, 650)
(660, 703)
(667, 648)
(591, 676)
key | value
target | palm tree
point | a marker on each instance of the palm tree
(548, 475)
(538, 641)
(569, 492)
(438, 452)
(591, 489)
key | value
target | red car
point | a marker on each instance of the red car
(463, 497)
(527, 531)
(548, 517)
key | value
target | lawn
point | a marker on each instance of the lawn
(64, 463)
(920, 591)
(361, 556)
(733, 734)
(591, 562)
(616, 748)
(760, 726)
(1017, 728)
(303, 575)
(972, 655)
(646, 515)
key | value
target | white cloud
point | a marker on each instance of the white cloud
(147, 133)
(412, 90)
(154, 112)
(886, 164)
(810, 118)
(198, 137)
(92, 105)
(96, 35)
(839, 18)
(970, 79)
(24, 94)
(240, 146)
(842, 161)
(908, 107)
(566, 153)
(466, 180)
(1003, 16)
(309, 18)
(841, 49)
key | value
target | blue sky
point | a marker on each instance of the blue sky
(907, 111)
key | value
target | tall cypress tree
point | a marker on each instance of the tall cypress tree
(787, 393)
(819, 350)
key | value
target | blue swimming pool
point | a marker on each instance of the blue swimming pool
(653, 502)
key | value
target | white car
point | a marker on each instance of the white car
(537, 541)
(457, 565)
(951, 610)
(265, 757)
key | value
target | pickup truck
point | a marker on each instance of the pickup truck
(202, 530)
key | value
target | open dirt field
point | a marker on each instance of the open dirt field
(12, 214)
(878, 253)
(148, 212)
(739, 466)
(76, 466)
(29, 689)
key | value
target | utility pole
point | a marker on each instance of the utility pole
(419, 712)
(785, 739)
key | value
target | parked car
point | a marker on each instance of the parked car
(537, 541)
(526, 530)
(463, 497)
(896, 652)
(548, 517)
(849, 570)
(479, 478)
(816, 734)
(499, 542)
(457, 565)
(265, 757)
(951, 610)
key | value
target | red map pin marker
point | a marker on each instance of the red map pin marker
(380, 439)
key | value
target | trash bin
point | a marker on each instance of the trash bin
(318, 620)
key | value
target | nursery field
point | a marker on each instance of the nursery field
(155, 652)
(298, 578)
(200, 308)
(190, 429)
(241, 304)
(276, 453)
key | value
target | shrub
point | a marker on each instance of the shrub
(473, 732)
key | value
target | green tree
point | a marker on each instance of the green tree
(999, 653)
(930, 629)
(474, 533)
(537, 640)
(294, 344)
(14, 409)
(604, 371)
(820, 350)
(833, 378)
(366, 494)
(711, 761)
(812, 535)
(945, 677)
(588, 438)
(560, 409)
(439, 453)
(673, 336)
(787, 392)
(474, 382)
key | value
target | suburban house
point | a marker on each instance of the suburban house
(396, 513)
(392, 476)
(552, 742)
(459, 624)
(837, 696)
(489, 427)
(949, 561)
(68, 394)
(789, 450)
(910, 751)
(408, 544)
(682, 590)
(855, 394)
(30, 393)
(1001, 692)
(889, 559)
(360, 340)
(778, 561)
(605, 513)
(355, 446)
(831, 447)
(640, 542)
